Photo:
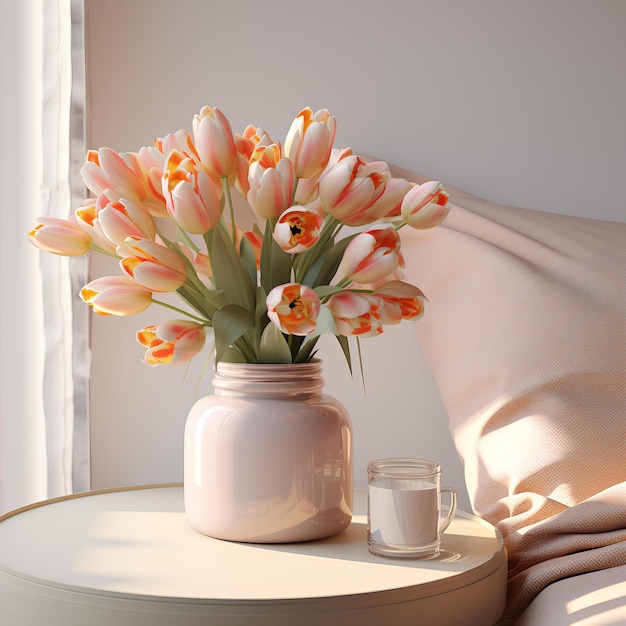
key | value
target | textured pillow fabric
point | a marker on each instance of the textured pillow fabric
(524, 332)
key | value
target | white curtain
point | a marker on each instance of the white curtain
(44, 357)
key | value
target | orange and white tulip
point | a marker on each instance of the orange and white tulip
(372, 255)
(389, 203)
(172, 343)
(293, 308)
(119, 218)
(271, 178)
(351, 187)
(215, 142)
(152, 160)
(307, 190)
(59, 236)
(130, 175)
(86, 217)
(108, 169)
(356, 314)
(152, 265)
(310, 141)
(425, 206)
(246, 144)
(192, 195)
(181, 141)
(298, 229)
(116, 295)
(400, 301)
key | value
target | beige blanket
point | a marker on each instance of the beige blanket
(525, 335)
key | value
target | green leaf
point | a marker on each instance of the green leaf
(325, 323)
(248, 259)
(275, 262)
(332, 261)
(260, 316)
(343, 342)
(261, 305)
(327, 290)
(358, 345)
(274, 346)
(232, 355)
(229, 324)
(229, 274)
(266, 255)
(280, 266)
(313, 272)
(216, 298)
(306, 351)
(201, 305)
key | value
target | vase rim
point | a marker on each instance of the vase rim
(288, 379)
(229, 365)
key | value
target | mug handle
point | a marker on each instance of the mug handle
(443, 525)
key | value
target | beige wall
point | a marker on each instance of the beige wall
(518, 102)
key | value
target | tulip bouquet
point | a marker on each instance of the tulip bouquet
(267, 294)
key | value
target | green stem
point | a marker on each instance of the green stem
(193, 281)
(229, 200)
(186, 313)
(184, 235)
(187, 239)
(344, 282)
(246, 350)
(99, 250)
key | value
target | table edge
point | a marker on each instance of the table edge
(84, 494)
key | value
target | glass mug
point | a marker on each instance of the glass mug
(404, 508)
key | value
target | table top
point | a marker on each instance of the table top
(136, 543)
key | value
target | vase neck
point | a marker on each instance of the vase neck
(289, 381)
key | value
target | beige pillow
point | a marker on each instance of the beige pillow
(525, 334)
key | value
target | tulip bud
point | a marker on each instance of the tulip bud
(310, 141)
(246, 144)
(425, 206)
(215, 142)
(351, 187)
(152, 265)
(307, 189)
(116, 295)
(372, 255)
(356, 314)
(59, 236)
(120, 218)
(86, 217)
(271, 182)
(193, 196)
(172, 343)
(107, 169)
(400, 301)
(389, 203)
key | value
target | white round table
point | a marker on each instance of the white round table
(129, 557)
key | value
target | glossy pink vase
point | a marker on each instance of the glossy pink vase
(268, 456)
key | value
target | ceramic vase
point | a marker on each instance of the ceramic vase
(268, 456)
